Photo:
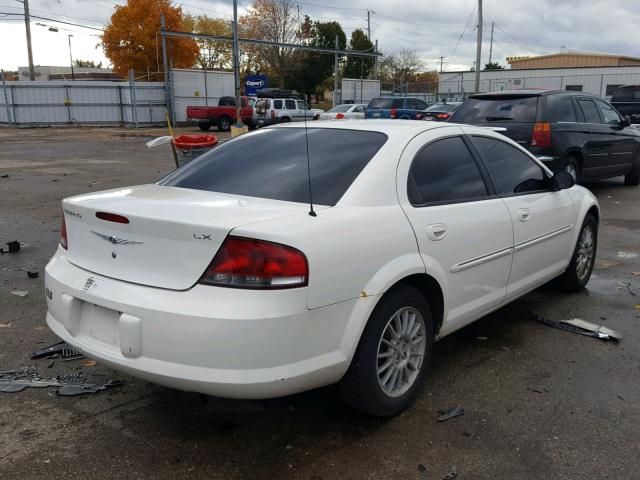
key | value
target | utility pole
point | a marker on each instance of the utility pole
(236, 63)
(441, 63)
(335, 74)
(369, 12)
(491, 44)
(73, 77)
(165, 67)
(478, 49)
(27, 24)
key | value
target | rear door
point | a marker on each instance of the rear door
(542, 220)
(515, 112)
(623, 144)
(597, 141)
(463, 230)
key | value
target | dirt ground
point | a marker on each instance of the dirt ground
(539, 402)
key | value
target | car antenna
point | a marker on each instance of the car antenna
(312, 213)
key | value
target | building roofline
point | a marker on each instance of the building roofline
(544, 68)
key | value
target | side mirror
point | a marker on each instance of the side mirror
(562, 180)
(626, 122)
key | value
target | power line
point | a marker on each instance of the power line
(464, 30)
(54, 20)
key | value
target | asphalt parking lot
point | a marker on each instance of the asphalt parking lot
(538, 402)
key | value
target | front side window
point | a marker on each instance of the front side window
(565, 112)
(272, 163)
(608, 113)
(589, 110)
(444, 171)
(512, 171)
(290, 104)
(302, 105)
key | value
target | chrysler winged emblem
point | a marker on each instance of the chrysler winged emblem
(116, 240)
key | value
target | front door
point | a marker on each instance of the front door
(542, 219)
(623, 144)
(462, 228)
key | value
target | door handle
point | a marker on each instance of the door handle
(436, 231)
(524, 214)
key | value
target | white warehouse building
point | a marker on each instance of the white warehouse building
(602, 81)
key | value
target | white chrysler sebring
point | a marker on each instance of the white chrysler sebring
(224, 279)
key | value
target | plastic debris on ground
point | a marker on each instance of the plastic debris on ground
(60, 349)
(452, 474)
(12, 247)
(449, 413)
(582, 327)
(20, 293)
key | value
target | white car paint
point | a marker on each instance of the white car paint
(345, 111)
(143, 312)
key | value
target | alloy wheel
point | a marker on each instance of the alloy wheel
(584, 259)
(401, 351)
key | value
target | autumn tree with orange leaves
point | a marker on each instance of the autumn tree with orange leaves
(132, 39)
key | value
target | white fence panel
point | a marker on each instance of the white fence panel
(199, 87)
(355, 90)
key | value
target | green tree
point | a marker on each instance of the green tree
(493, 66)
(359, 67)
(86, 63)
(309, 70)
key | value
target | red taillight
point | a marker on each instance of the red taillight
(112, 217)
(393, 113)
(339, 115)
(64, 242)
(442, 116)
(249, 263)
(273, 114)
(541, 135)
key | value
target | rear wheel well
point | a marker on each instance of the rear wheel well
(430, 288)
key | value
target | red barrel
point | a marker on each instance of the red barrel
(189, 147)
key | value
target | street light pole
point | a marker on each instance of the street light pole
(236, 63)
(478, 49)
(73, 77)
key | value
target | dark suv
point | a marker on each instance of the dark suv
(572, 131)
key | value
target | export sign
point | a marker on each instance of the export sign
(253, 83)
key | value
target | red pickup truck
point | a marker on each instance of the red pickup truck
(223, 115)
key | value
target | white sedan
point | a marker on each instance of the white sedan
(344, 111)
(224, 279)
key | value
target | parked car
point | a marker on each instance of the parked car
(346, 110)
(270, 111)
(626, 100)
(223, 115)
(223, 279)
(404, 108)
(440, 112)
(572, 131)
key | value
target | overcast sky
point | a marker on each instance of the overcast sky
(431, 28)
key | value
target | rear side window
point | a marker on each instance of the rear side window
(565, 112)
(497, 109)
(511, 170)
(277, 104)
(589, 110)
(272, 163)
(629, 93)
(444, 171)
(608, 113)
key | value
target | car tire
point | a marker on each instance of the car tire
(405, 117)
(364, 386)
(583, 259)
(204, 126)
(633, 177)
(285, 120)
(224, 124)
(572, 167)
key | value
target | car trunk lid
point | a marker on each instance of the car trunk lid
(171, 236)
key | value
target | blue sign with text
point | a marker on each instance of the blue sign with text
(253, 83)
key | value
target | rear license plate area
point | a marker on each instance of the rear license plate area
(98, 323)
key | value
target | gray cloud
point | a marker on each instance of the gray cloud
(430, 28)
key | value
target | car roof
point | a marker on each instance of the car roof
(530, 92)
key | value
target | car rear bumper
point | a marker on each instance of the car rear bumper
(219, 341)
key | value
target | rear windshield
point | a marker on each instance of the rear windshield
(627, 94)
(386, 103)
(441, 107)
(272, 163)
(497, 109)
(340, 108)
